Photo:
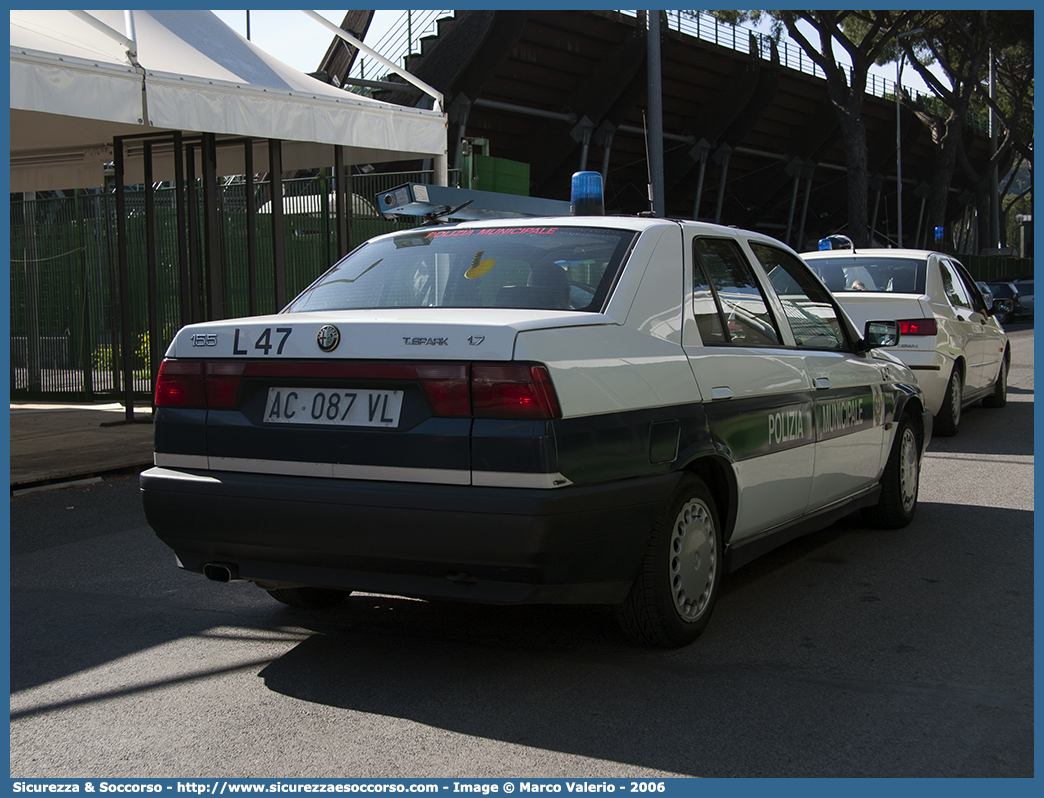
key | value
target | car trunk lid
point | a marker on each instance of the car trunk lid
(292, 394)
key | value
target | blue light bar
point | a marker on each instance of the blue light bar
(586, 197)
(836, 241)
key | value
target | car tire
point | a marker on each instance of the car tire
(999, 397)
(949, 418)
(900, 481)
(671, 600)
(309, 598)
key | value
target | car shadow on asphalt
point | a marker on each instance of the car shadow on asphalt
(992, 431)
(564, 679)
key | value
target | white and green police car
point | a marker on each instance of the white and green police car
(583, 409)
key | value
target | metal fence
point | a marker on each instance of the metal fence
(996, 267)
(65, 308)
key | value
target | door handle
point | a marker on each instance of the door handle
(822, 383)
(721, 392)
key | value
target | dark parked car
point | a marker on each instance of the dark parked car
(1025, 286)
(1002, 289)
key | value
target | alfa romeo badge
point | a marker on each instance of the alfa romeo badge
(328, 338)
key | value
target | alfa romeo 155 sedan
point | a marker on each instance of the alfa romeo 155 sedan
(564, 410)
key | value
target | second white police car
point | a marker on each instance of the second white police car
(584, 409)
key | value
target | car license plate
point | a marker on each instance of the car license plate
(336, 407)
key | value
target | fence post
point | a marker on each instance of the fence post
(85, 305)
(32, 291)
(324, 211)
(349, 192)
(275, 169)
(152, 350)
(181, 222)
(214, 251)
(343, 204)
(193, 235)
(110, 317)
(251, 225)
(122, 261)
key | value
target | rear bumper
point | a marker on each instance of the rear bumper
(932, 370)
(570, 545)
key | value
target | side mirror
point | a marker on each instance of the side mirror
(880, 333)
(1001, 306)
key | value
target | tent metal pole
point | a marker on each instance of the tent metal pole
(435, 94)
(214, 254)
(251, 225)
(153, 352)
(85, 312)
(123, 266)
(108, 316)
(181, 224)
(127, 41)
(275, 176)
(193, 235)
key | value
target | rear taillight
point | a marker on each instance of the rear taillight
(221, 383)
(194, 384)
(180, 384)
(918, 327)
(518, 391)
(446, 387)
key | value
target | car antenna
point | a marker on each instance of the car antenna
(648, 166)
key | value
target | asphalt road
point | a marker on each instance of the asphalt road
(850, 652)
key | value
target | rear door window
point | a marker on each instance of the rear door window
(729, 305)
(953, 286)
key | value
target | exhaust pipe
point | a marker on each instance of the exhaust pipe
(221, 572)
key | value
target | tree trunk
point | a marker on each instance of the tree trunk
(943, 169)
(853, 132)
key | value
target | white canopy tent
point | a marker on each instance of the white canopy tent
(158, 94)
(81, 79)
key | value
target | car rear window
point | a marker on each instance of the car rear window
(887, 275)
(523, 266)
